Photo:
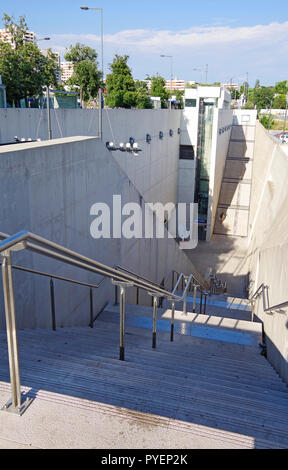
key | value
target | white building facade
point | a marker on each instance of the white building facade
(205, 132)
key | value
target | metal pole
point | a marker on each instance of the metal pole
(122, 323)
(270, 116)
(155, 302)
(205, 304)
(14, 405)
(11, 330)
(91, 308)
(185, 300)
(116, 295)
(285, 118)
(194, 299)
(201, 300)
(170, 106)
(172, 322)
(52, 297)
(48, 114)
(102, 77)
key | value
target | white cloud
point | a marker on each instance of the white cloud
(229, 50)
(197, 36)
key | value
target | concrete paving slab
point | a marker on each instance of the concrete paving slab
(59, 422)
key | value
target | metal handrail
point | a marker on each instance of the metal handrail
(53, 250)
(26, 240)
(121, 268)
(122, 279)
(261, 291)
(55, 276)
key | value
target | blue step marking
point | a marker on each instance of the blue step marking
(188, 329)
(219, 303)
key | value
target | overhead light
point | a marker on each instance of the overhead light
(110, 146)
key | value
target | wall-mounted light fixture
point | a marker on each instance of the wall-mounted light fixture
(148, 138)
(130, 147)
(161, 135)
(179, 130)
(171, 133)
(110, 146)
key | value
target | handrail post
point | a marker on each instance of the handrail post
(52, 298)
(252, 310)
(122, 286)
(172, 321)
(116, 295)
(15, 405)
(194, 298)
(185, 297)
(205, 294)
(155, 298)
(155, 305)
(201, 301)
(91, 309)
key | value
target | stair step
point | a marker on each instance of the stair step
(149, 394)
(201, 326)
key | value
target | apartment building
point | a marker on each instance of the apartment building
(6, 36)
(67, 69)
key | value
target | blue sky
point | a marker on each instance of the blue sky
(233, 38)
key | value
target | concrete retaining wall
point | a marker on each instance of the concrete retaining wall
(267, 258)
(154, 174)
(48, 188)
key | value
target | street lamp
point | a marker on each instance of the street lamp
(201, 72)
(47, 99)
(171, 64)
(102, 67)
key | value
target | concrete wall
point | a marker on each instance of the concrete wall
(235, 194)
(48, 188)
(154, 173)
(267, 258)
(222, 123)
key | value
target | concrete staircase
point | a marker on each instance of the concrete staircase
(211, 383)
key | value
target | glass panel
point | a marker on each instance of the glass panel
(190, 103)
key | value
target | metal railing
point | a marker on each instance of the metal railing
(120, 277)
(262, 291)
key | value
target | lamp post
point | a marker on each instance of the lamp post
(171, 76)
(47, 99)
(102, 68)
(201, 72)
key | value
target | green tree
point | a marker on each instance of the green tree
(86, 75)
(121, 89)
(17, 30)
(180, 97)
(142, 96)
(281, 87)
(279, 102)
(24, 69)
(235, 94)
(265, 121)
(158, 89)
(262, 97)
